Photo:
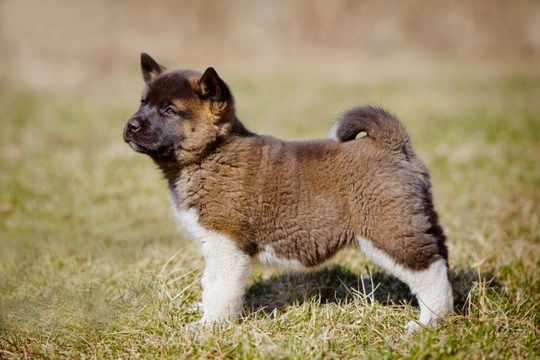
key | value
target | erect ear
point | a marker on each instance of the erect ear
(212, 88)
(150, 68)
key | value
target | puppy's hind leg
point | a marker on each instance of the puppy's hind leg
(224, 279)
(434, 293)
(430, 285)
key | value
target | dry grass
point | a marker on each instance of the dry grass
(91, 264)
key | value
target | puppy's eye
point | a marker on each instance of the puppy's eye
(143, 101)
(170, 110)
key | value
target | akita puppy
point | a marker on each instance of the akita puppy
(247, 197)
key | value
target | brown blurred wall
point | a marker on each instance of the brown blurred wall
(61, 43)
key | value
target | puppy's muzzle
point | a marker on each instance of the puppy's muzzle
(134, 125)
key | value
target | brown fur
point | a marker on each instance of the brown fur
(305, 199)
(245, 195)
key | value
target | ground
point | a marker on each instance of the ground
(92, 265)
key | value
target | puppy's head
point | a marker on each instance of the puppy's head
(182, 113)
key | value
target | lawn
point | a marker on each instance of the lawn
(92, 266)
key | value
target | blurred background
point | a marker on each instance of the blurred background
(78, 45)
(86, 234)
(464, 76)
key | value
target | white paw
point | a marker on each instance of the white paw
(196, 307)
(413, 326)
(199, 325)
(195, 325)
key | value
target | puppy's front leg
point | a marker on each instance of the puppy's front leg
(224, 279)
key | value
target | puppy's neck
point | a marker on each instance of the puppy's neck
(238, 129)
(183, 166)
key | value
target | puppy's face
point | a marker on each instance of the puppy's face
(182, 112)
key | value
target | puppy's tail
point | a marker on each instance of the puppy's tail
(377, 123)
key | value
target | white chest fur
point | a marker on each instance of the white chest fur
(187, 222)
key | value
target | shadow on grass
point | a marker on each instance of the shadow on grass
(339, 285)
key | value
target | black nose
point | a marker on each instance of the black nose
(134, 125)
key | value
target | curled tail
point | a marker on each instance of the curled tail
(377, 123)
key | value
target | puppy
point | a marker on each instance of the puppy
(247, 197)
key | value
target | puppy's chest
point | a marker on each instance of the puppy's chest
(188, 222)
(206, 201)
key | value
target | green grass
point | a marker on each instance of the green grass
(92, 266)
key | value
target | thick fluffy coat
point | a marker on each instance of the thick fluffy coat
(247, 197)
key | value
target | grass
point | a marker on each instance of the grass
(92, 267)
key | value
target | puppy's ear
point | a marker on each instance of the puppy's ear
(214, 90)
(150, 68)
